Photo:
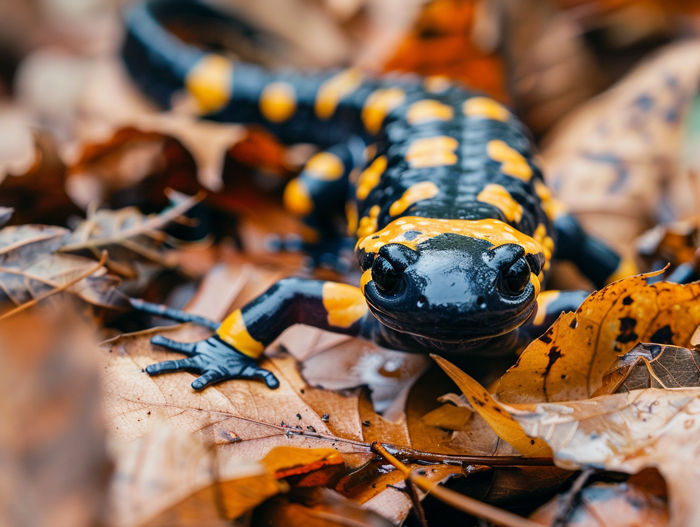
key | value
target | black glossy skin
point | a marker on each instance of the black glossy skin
(441, 291)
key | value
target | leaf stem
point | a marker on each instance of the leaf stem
(65, 286)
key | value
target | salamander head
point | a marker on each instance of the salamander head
(450, 286)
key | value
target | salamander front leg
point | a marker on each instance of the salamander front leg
(318, 195)
(232, 352)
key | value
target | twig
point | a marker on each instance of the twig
(415, 501)
(456, 500)
(149, 225)
(566, 502)
(65, 286)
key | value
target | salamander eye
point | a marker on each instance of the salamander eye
(385, 276)
(516, 278)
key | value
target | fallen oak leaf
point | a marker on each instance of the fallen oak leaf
(627, 432)
(568, 362)
(652, 366)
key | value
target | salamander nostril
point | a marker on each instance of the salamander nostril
(422, 301)
(514, 280)
(481, 302)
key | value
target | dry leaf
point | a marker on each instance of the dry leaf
(169, 477)
(627, 432)
(129, 236)
(652, 366)
(53, 462)
(568, 362)
(315, 508)
(245, 419)
(484, 404)
(629, 505)
(617, 158)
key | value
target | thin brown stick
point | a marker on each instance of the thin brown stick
(149, 225)
(65, 286)
(566, 502)
(456, 500)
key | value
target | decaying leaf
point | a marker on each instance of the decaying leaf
(568, 362)
(30, 268)
(615, 159)
(629, 505)
(53, 461)
(128, 235)
(652, 366)
(315, 508)
(627, 432)
(492, 412)
(170, 477)
(245, 420)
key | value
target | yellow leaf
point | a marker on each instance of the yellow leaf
(493, 413)
(568, 362)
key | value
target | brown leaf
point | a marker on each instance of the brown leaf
(169, 477)
(244, 419)
(628, 504)
(652, 366)
(128, 235)
(568, 362)
(53, 461)
(627, 432)
(500, 421)
(617, 158)
(315, 508)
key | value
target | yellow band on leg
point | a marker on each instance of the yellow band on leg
(233, 331)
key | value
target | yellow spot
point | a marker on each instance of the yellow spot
(351, 217)
(543, 301)
(233, 331)
(536, 283)
(500, 198)
(540, 236)
(334, 90)
(437, 83)
(370, 177)
(325, 166)
(414, 194)
(432, 152)
(297, 199)
(378, 106)
(365, 279)
(210, 82)
(278, 101)
(428, 110)
(551, 206)
(513, 162)
(485, 107)
(493, 231)
(626, 268)
(344, 304)
(368, 224)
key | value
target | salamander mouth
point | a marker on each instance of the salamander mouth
(465, 331)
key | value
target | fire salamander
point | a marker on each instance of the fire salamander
(455, 227)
